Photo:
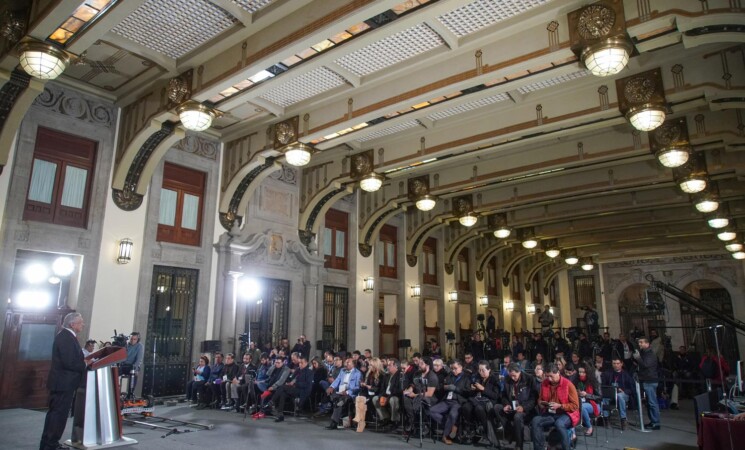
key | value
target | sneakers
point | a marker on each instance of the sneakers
(673, 406)
(258, 415)
(652, 426)
(280, 419)
(332, 426)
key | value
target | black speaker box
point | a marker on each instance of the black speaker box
(404, 343)
(211, 346)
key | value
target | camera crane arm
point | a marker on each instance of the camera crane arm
(686, 298)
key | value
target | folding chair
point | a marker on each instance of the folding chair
(610, 404)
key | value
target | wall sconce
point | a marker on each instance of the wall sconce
(570, 257)
(125, 251)
(418, 192)
(195, 116)
(531, 309)
(587, 264)
(453, 296)
(641, 98)
(552, 310)
(529, 240)
(416, 291)
(368, 285)
(597, 34)
(509, 305)
(670, 143)
(499, 223)
(484, 300)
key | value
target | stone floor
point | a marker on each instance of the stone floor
(20, 429)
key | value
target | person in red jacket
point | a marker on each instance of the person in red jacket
(558, 405)
(711, 370)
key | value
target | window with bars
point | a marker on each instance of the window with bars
(335, 314)
(584, 291)
(429, 254)
(387, 252)
(335, 234)
(61, 177)
(180, 215)
(463, 284)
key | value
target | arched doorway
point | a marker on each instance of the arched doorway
(715, 296)
(634, 315)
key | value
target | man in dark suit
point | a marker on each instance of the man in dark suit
(66, 374)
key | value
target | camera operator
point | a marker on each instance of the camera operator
(592, 321)
(546, 319)
(302, 347)
(561, 346)
(133, 363)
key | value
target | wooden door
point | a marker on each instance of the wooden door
(388, 341)
(27, 357)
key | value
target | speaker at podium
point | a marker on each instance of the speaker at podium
(98, 416)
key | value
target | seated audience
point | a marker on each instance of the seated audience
(201, 374)
(343, 390)
(240, 386)
(445, 412)
(422, 391)
(299, 387)
(230, 373)
(388, 402)
(211, 389)
(470, 366)
(479, 408)
(558, 406)
(319, 374)
(624, 385)
(302, 347)
(278, 375)
(369, 388)
(518, 403)
(588, 390)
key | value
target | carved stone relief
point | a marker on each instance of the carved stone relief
(199, 146)
(66, 103)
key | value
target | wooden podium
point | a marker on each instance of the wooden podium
(98, 416)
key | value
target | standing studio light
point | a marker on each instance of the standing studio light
(298, 154)
(42, 61)
(195, 116)
(125, 251)
(371, 182)
(425, 203)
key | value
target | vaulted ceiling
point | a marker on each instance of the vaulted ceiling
(484, 100)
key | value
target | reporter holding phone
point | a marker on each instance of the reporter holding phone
(558, 406)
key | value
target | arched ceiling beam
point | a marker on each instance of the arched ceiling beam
(369, 232)
(491, 251)
(309, 223)
(414, 244)
(17, 94)
(452, 252)
(510, 266)
(238, 198)
(534, 270)
(550, 278)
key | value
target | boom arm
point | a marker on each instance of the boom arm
(688, 299)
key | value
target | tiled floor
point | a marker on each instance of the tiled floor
(20, 429)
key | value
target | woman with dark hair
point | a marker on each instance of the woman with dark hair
(588, 390)
(320, 373)
(485, 393)
(201, 375)
(538, 360)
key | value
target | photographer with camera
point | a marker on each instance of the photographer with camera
(302, 347)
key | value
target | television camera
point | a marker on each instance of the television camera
(119, 340)
(450, 336)
(653, 300)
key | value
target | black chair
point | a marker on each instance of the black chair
(701, 404)
(610, 404)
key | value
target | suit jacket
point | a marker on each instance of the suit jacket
(68, 365)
